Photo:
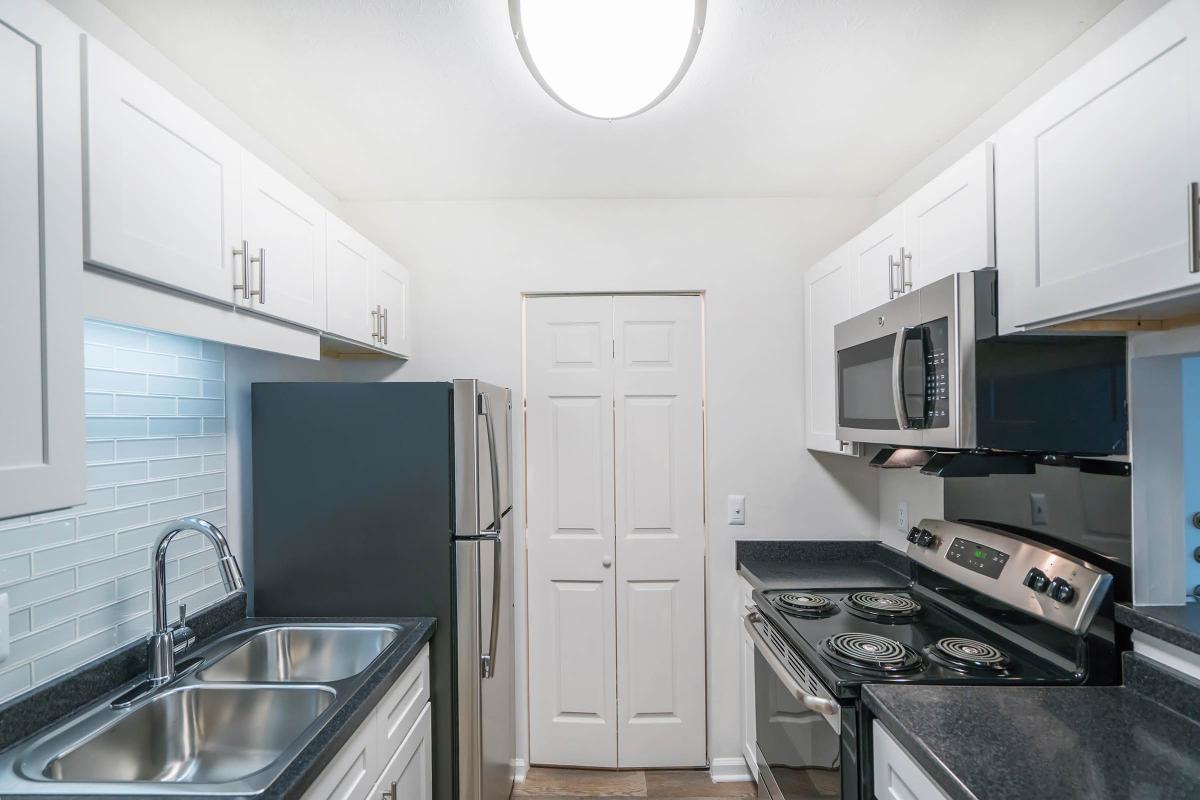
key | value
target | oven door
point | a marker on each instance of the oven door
(797, 727)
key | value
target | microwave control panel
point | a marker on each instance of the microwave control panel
(937, 373)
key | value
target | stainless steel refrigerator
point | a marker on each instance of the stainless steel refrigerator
(395, 499)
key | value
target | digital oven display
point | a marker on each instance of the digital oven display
(977, 557)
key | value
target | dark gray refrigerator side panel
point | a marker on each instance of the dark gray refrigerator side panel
(353, 505)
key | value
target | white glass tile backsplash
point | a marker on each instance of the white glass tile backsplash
(78, 580)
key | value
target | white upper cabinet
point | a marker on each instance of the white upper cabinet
(389, 293)
(283, 270)
(876, 263)
(350, 258)
(949, 224)
(1094, 180)
(827, 290)
(41, 247)
(163, 190)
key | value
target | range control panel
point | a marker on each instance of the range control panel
(977, 557)
(1027, 575)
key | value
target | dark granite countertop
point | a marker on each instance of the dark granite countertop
(1017, 742)
(27, 715)
(821, 564)
(1178, 625)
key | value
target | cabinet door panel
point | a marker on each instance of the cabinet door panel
(1092, 208)
(349, 262)
(390, 293)
(284, 227)
(162, 183)
(949, 224)
(827, 289)
(350, 774)
(41, 446)
(872, 252)
(409, 774)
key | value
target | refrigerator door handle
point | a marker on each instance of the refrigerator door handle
(489, 658)
(485, 412)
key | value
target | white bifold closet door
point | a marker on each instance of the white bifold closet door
(615, 437)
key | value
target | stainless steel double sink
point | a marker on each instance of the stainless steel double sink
(230, 726)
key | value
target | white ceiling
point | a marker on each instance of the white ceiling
(424, 99)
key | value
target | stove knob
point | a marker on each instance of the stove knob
(914, 533)
(1061, 591)
(1036, 579)
(926, 539)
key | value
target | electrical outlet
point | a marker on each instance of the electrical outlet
(737, 509)
(902, 517)
(1037, 508)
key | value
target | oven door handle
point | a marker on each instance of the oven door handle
(821, 705)
(898, 378)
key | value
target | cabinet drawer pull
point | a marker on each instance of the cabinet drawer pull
(1194, 227)
(243, 251)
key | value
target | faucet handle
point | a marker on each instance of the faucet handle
(182, 637)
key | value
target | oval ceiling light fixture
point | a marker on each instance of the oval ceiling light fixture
(608, 59)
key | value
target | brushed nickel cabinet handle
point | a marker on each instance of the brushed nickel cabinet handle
(383, 326)
(893, 269)
(262, 276)
(241, 287)
(1194, 227)
(258, 259)
(905, 271)
(375, 324)
(390, 794)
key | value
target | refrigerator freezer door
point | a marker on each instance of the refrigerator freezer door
(498, 691)
(482, 440)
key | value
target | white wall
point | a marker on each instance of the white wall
(472, 260)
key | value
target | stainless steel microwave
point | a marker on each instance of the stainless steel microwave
(928, 370)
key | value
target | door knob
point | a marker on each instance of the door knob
(606, 561)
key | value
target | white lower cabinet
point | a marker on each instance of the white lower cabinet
(1094, 181)
(393, 747)
(897, 776)
(409, 775)
(749, 722)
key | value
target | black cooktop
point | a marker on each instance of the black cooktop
(899, 636)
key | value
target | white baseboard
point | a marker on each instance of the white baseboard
(520, 770)
(728, 770)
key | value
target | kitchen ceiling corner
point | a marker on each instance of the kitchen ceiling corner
(380, 100)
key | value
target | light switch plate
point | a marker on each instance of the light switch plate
(737, 509)
(4, 627)
(902, 517)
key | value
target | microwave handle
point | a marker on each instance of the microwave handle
(898, 379)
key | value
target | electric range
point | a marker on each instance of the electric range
(985, 606)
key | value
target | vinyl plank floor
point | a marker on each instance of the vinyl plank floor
(545, 783)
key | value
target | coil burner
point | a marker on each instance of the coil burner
(874, 655)
(882, 606)
(968, 655)
(805, 604)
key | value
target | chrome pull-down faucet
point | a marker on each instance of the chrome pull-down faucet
(164, 641)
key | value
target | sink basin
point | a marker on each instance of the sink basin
(302, 654)
(197, 734)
